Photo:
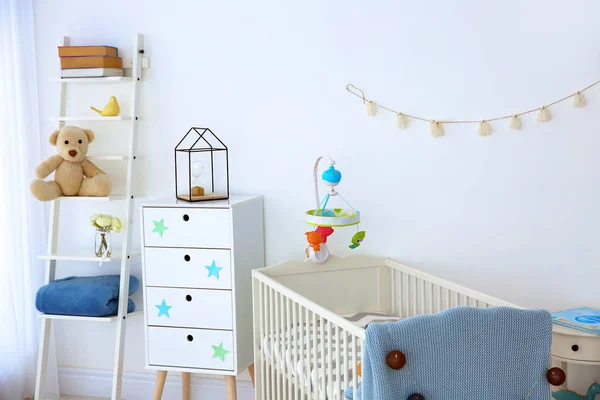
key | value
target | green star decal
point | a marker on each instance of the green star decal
(220, 352)
(159, 227)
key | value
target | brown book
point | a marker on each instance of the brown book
(91, 62)
(86, 51)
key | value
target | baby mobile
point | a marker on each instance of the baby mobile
(325, 219)
(436, 127)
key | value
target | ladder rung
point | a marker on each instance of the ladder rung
(92, 198)
(84, 255)
(91, 319)
(107, 158)
(91, 118)
(106, 79)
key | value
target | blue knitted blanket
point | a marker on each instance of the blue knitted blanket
(89, 296)
(463, 353)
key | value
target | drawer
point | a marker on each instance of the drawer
(576, 347)
(192, 268)
(186, 227)
(190, 308)
(190, 348)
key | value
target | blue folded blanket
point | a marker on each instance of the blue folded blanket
(461, 354)
(89, 296)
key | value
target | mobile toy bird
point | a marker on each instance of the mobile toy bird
(357, 239)
(111, 109)
(325, 219)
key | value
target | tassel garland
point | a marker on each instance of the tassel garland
(578, 100)
(401, 121)
(436, 128)
(544, 115)
(371, 108)
(484, 129)
(515, 122)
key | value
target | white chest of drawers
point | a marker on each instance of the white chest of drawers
(197, 263)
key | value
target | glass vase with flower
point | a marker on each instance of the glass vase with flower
(104, 224)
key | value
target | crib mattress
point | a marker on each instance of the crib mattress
(281, 348)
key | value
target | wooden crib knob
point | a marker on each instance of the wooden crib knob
(416, 396)
(395, 359)
(556, 376)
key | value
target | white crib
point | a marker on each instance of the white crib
(305, 348)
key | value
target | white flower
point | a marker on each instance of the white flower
(116, 224)
(104, 221)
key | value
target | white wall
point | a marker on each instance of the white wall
(514, 215)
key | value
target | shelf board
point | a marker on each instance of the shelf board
(106, 79)
(92, 319)
(91, 118)
(84, 255)
(107, 158)
(112, 197)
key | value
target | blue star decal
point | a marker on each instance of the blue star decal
(213, 270)
(163, 309)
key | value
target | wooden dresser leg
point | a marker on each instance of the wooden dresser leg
(230, 387)
(185, 385)
(251, 371)
(159, 385)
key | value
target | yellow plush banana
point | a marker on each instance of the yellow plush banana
(112, 109)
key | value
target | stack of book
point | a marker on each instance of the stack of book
(89, 61)
(583, 319)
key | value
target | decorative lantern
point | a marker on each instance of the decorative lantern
(201, 167)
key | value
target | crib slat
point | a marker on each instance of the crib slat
(294, 356)
(413, 295)
(261, 311)
(329, 360)
(272, 344)
(422, 296)
(282, 344)
(315, 363)
(307, 363)
(439, 299)
(346, 365)
(300, 373)
(456, 298)
(430, 298)
(277, 347)
(354, 371)
(289, 327)
(400, 294)
(393, 300)
(338, 367)
(323, 363)
(405, 295)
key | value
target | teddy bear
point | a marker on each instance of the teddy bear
(74, 174)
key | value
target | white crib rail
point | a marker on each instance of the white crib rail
(305, 351)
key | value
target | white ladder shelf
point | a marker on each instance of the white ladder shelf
(126, 254)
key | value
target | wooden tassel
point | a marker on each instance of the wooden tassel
(371, 108)
(484, 129)
(578, 100)
(514, 122)
(544, 115)
(401, 121)
(436, 128)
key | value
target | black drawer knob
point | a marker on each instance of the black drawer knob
(188, 297)
(575, 347)
(187, 258)
(190, 338)
(186, 217)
